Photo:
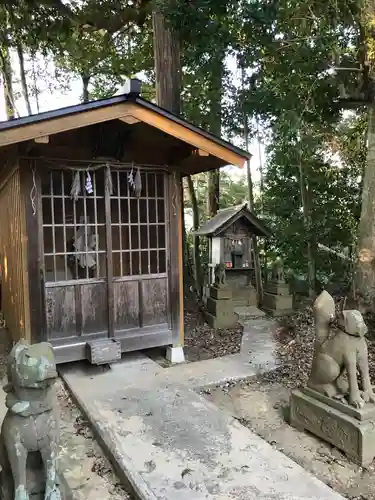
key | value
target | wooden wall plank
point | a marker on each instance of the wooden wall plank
(12, 251)
(94, 304)
(60, 312)
(126, 305)
(154, 301)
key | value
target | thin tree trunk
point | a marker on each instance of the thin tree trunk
(25, 90)
(85, 88)
(6, 71)
(306, 208)
(35, 85)
(364, 268)
(213, 195)
(196, 252)
(254, 241)
(365, 265)
(213, 176)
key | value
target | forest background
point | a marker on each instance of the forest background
(290, 79)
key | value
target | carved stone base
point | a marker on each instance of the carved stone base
(353, 435)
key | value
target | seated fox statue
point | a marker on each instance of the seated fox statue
(340, 350)
(31, 423)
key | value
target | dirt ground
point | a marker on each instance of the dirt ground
(262, 406)
(93, 475)
(204, 342)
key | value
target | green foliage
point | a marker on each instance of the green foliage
(285, 49)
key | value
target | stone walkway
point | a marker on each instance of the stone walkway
(167, 441)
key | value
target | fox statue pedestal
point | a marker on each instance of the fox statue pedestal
(351, 431)
(220, 313)
(334, 407)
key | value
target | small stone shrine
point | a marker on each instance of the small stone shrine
(277, 299)
(220, 312)
(29, 439)
(337, 405)
(230, 241)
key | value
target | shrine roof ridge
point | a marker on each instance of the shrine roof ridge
(227, 216)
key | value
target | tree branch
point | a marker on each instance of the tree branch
(95, 20)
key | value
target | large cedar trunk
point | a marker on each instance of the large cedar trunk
(365, 267)
(167, 65)
(168, 96)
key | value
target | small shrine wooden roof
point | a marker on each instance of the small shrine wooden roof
(228, 216)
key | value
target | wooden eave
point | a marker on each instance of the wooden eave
(129, 110)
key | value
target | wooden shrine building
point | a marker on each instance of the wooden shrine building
(90, 222)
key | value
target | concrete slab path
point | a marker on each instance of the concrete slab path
(168, 442)
(258, 344)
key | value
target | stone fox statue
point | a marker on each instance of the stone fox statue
(220, 277)
(31, 423)
(341, 353)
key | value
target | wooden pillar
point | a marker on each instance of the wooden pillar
(31, 197)
(176, 285)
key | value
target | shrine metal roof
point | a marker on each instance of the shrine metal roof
(228, 216)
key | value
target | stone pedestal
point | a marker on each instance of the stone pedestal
(220, 312)
(175, 354)
(350, 430)
(277, 301)
(244, 296)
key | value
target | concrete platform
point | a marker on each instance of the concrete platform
(168, 442)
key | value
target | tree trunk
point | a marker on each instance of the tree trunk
(254, 241)
(365, 265)
(196, 252)
(25, 90)
(6, 71)
(213, 195)
(167, 65)
(213, 177)
(311, 240)
(168, 95)
(85, 88)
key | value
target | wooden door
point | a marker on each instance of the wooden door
(75, 268)
(139, 260)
